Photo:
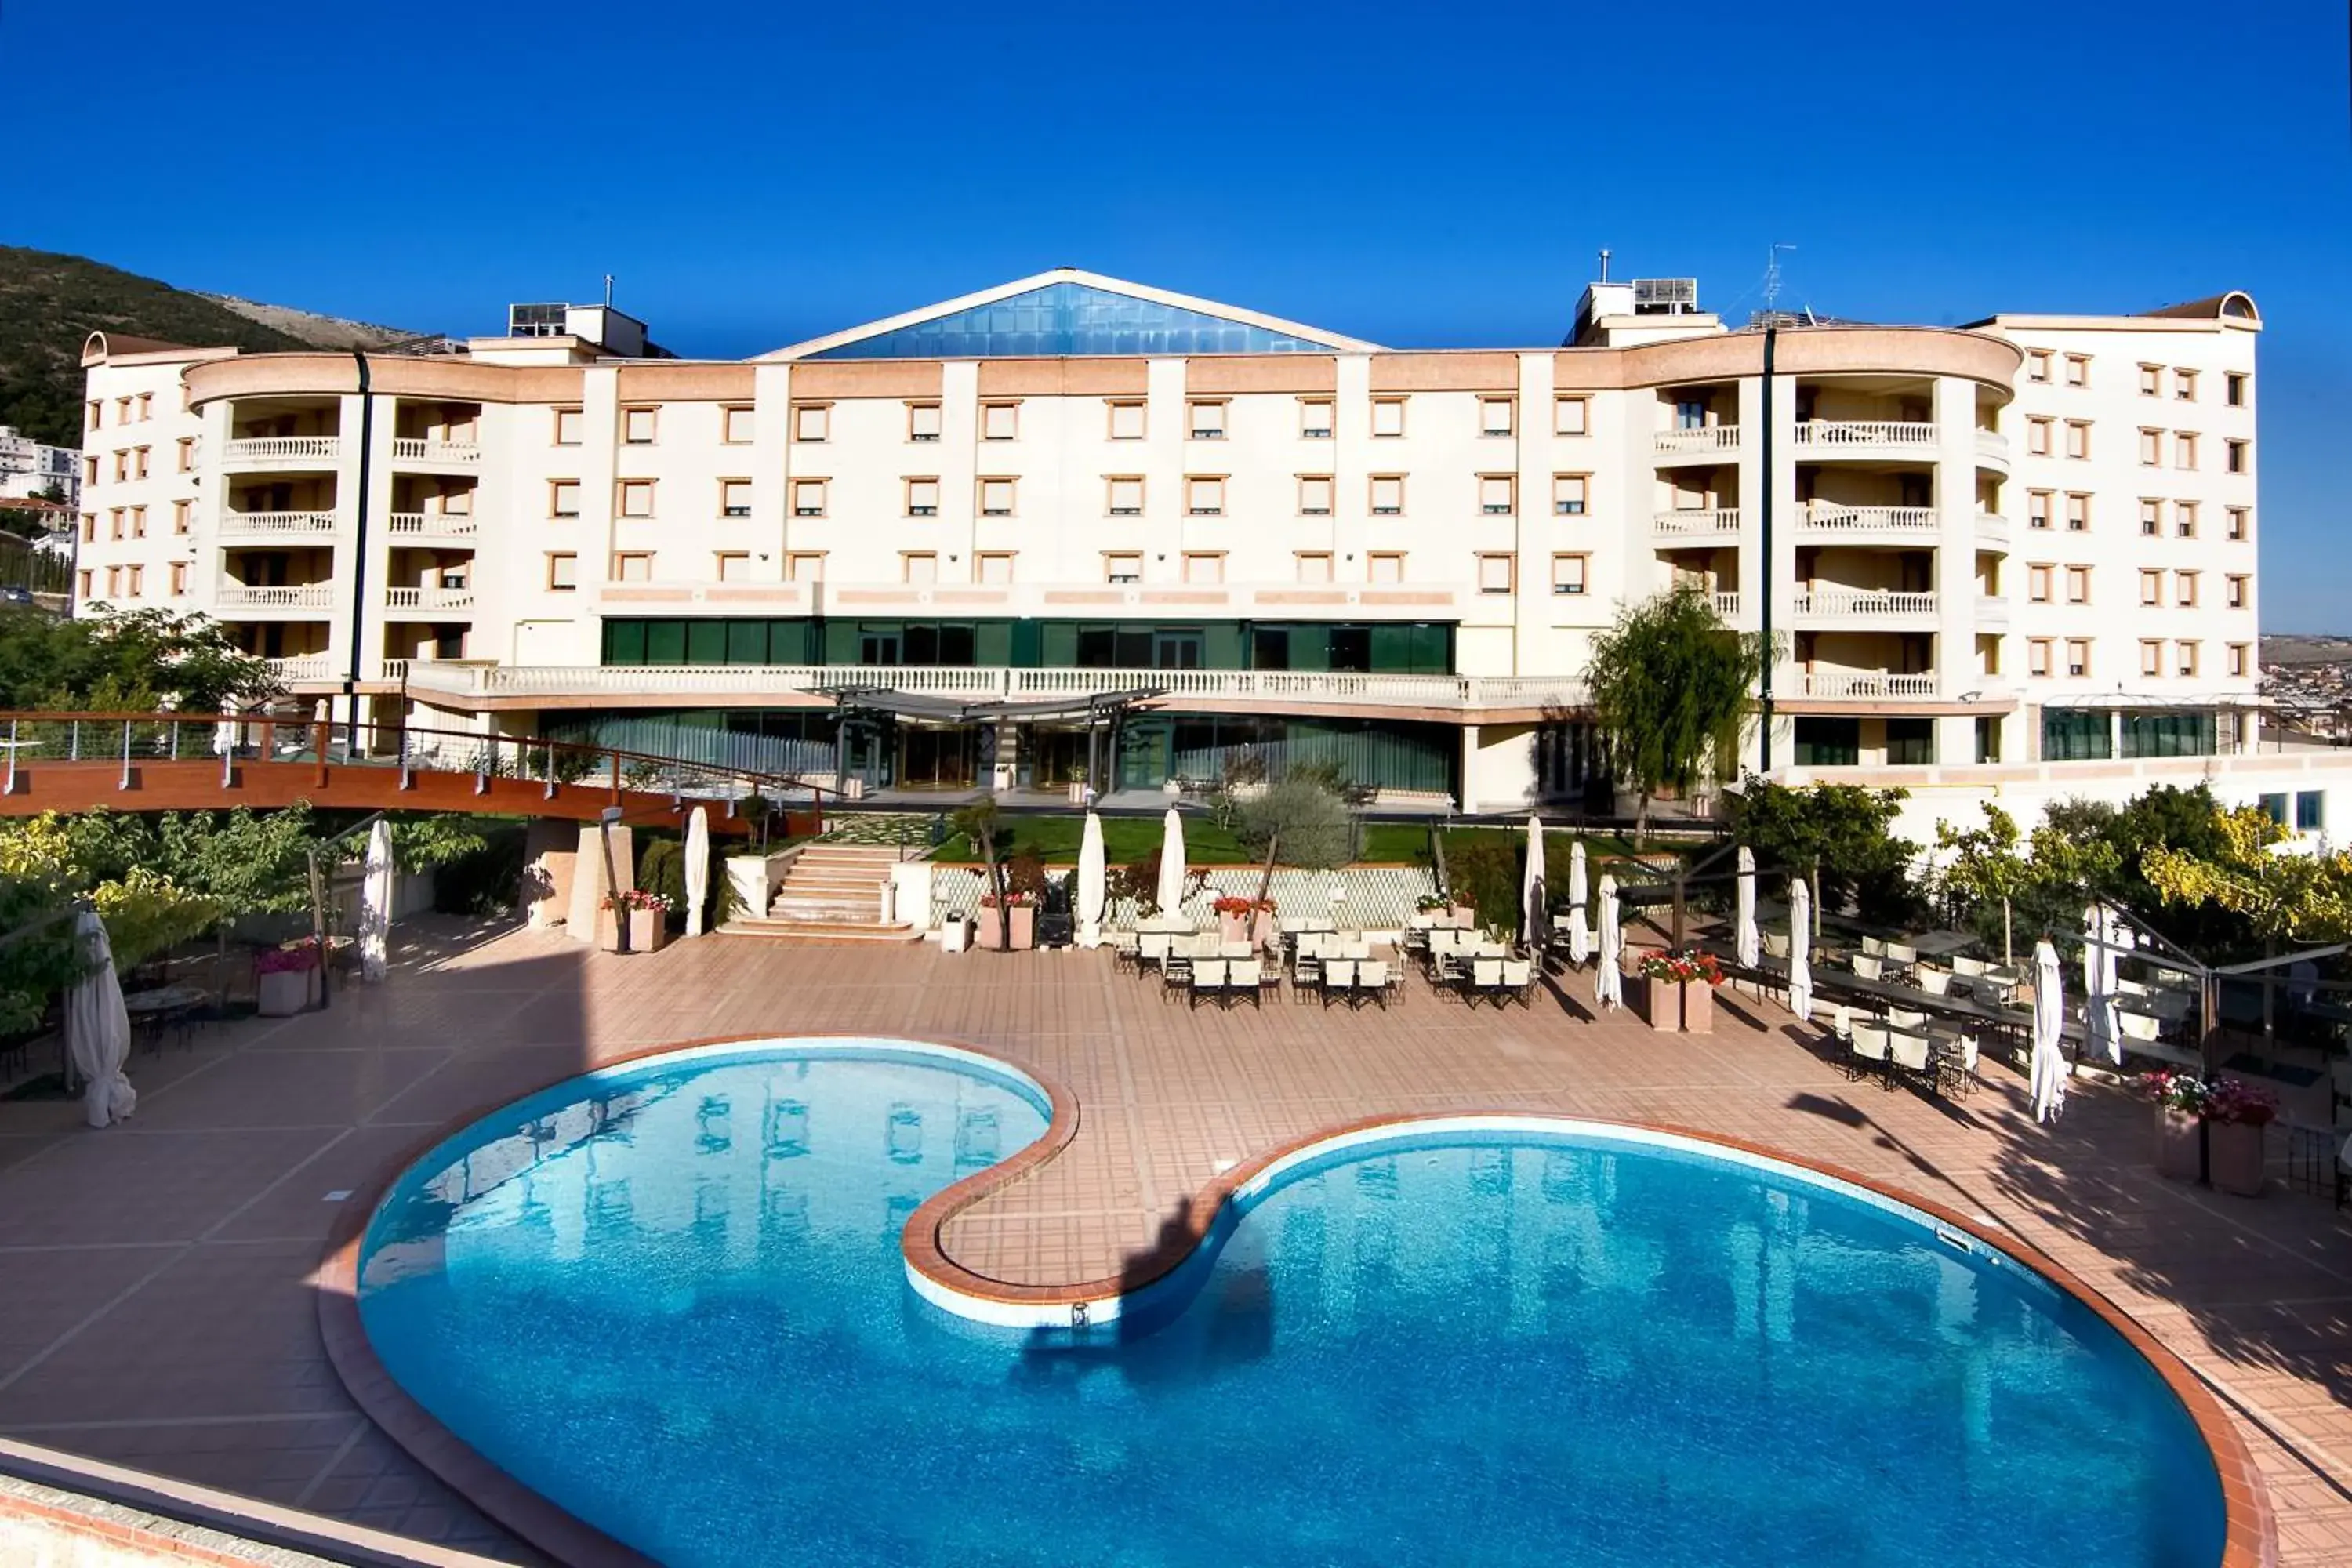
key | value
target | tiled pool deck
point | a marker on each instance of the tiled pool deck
(159, 1313)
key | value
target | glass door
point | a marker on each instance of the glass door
(1142, 760)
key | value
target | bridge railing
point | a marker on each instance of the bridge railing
(43, 739)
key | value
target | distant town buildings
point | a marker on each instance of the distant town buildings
(28, 469)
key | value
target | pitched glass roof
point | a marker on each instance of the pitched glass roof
(1071, 318)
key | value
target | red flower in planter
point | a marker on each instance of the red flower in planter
(1683, 968)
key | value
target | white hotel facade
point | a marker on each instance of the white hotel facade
(1075, 522)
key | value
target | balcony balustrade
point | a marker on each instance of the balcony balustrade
(441, 525)
(242, 597)
(434, 599)
(1818, 434)
(413, 449)
(1697, 439)
(275, 525)
(1867, 684)
(1862, 602)
(1821, 517)
(283, 451)
(1709, 520)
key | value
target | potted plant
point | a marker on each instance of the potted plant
(2179, 1098)
(648, 917)
(286, 979)
(2235, 1114)
(1428, 907)
(1246, 920)
(1017, 930)
(1680, 991)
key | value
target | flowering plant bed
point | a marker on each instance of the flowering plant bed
(1682, 968)
(1432, 904)
(291, 958)
(636, 899)
(1016, 899)
(1235, 904)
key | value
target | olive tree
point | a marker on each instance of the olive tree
(1669, 684)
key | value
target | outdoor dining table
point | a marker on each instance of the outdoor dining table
(162, 1006)
(1939, 943)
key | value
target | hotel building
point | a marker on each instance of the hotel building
(1073, 526)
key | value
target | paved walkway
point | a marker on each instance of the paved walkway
(158, 1311)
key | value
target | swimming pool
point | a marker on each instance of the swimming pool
(671, 1298)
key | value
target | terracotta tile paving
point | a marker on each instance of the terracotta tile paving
(159, 1310)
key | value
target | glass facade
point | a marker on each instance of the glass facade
(2076, 735)
(1828, 742)
(1399, 647)
(2168, 735)
(1910, 743)
(756, 740)
(1071, 318)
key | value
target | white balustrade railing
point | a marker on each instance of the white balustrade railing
(413, 449)
(1823, 518)
(1726, 602)
(1707, 520)
(1991, 523)
(442, 524)
(239, 596)
(277, 448)
(276, 525)
(303, 666)
(1862, 602)
(1864, 683)
(1993, 444)
(1698, 438)
(1864, 433)
(394, 669)
(428, 598)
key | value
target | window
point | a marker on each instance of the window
(1567, 495)
(179, 579)
(1000, 421)
(1314, 418)
(2078, 584)
(562, 573)
(734, 498)
(2078, 657)
(922, 498)
(114, 522)
(179, 516)
(122, 410)
(2310, 813)
(138, 522)
(567, 427)
(1122, 567)
(804, 566)
(1387, 495)
(637, 426)
(2037, 508)
(1205, 421)
(138, 581)
(2236, 457)
(1910, 743)
(2151, 587)
(2235, 595)
(1205, 496)
(1496, 417)
(2274, 806)
(2037, 583)
(1127, 496)
(2151, 380)
(922, 422)
(996, 498)
(85, 583)
(2241, 523)
(636, 497)
(812, 422)
(114, 578)
(122, 466)
(1571, 416)
(808, 498)
(1826, 742)
(1313, 566)
(187, 458)
(1495, 574)
(2184, 589)
(2078, 439)
(93, 413)
(992, 566)
(734, 566)
(1127, 421)
(2151, 658)
(918, 566)
(1495, 494)
(2076, 734)
(139, 459)
(1314, 495)
(2234, 388)
(2184, 518)
(2037, 657)
(563, 498)
(2151, 448)
(2078, 370)
(2037, 437)
(2184, 451)
(1203, 566)
(633, 566)
(146, 405)
(2078, 513)
(89, 528)
(1388, 416)
(1384, 566)
(2037, 364)
(2151, 517)
(2184, 386)
(1569, 573)
(2239, 661)
(735, 425)
(89, 469)
(2184, 656)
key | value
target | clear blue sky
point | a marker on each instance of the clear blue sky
(755, 173)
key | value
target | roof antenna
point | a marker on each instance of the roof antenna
(608, 290)
(1772, 275)
(1604, 264)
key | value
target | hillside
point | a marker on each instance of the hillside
(49, 303)
(318, 332)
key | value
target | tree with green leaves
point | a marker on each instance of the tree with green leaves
(980, 824)
(2285, 898)
(1839, 836)
(1669, 684)
(1297, 820)
(125, 660)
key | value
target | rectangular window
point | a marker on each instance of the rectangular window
(2184, 386)
(2240, 662)
(93, 413)
(1127, 496)
(2184, 518)
(804, 566)
(918, 566)
(734, 498)
(1568, 573)
(138, 522)
(89, 528)
(2076, 735)
(808, 498)
(2184, 656)
(922, 422)
(812, 422)
(1314, 495)
(2151, 658)
(2151, 380)
(85, 583)
(2184, 589)
(633, 566)
(2151, 448)
(1203, 567)
(2037, 585)
(2037, 657)
(1495, 574)
(2184, 451)
(1388, 416)
(2078, 513)
(2310, 811)
(567, 427)
(2241, 523)
(1122, 567)
(2234, 388)
(1572, 416)
(2037, 508)
(562, 573)
(187, 459)
(563, 498)
(1127, 421)
(2078, 657)
(2236, 592)
(1205, 496)
(1000, 421)
(1910, 743)
(922, 498)
(1384, 566)
(139, 455)
(1205, 421)
(1314, 418)
(89, 469)
(996, 498)
(114, 577)
(1827, 742)
(179, 579)
(2037, 364)
(1495, 498)
(114, 522)
(2078, 370)
(1313, 566)
(138, 581)
(2274, 806)
(2078, 439)
(1567, 495)
(2151, 517)
(1387, 495)
(122, 410)
(734, 566)
(1496, 417)
(2037, 437)
(2151, 587)
(637, 426)
(735, 425)
(2236, 457)
(993, 566)
(636, 497)
(179, 516)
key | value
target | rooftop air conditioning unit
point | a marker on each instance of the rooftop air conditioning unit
(1665, 296)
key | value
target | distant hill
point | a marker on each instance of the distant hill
(50, 303)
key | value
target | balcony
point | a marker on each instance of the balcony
(279, 527)
(451, 454)
(240, 596)
(1867, 685)
(1846, 521)
(1862, 603)
(1818, 438)
(1992, 611)
(436, 600)
(430, 524)
(283, 452)
(1696, 441)
(1717, 519)
(1993, 447)
(302, 668)
(1727, 603)
(1993, 528)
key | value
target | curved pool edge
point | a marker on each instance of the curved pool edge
(2249, 1533)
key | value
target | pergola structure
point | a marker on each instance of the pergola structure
(1099, 713)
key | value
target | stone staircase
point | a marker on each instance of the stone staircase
(833, 892)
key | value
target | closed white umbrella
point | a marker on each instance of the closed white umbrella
(98, 1028)
(1800, 948)
(1093, 883)
(2101, 1027)
(375, 903)
(1580, 937)
(1171, 864)
(1531, 886)
(1744, 932)
(1607, 984)
(2048, 1080)
(697, 869)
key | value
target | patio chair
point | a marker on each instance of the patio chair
(1243, 978)
(1935, 981)
(1908, 1054)
(1776, 944)
(1867, 967)
(1956, 1065)
(1124, 948)
(1339, 979)
(1971, 967)
(1395, 985)
(1371, 982)
(2140, 1025)
(1208, 980)
(1906, 1018)
(1519, 979)
(1305, 975)
(1152, 948)
(1874, 946)
(1866, 1051)
(1176, 974)
(1902, 953)
(1486, 979)
(1229, 950)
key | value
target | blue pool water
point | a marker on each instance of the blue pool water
(671, 1298)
